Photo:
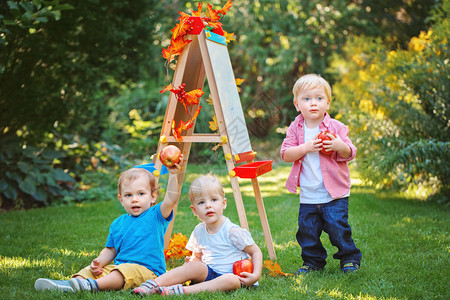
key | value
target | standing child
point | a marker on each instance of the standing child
(136, 239)
(324, 180)
(216, 244)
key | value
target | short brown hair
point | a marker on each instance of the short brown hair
(133, 174)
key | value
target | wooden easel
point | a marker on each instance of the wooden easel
(207, 55)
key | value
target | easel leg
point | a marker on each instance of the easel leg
(263, 217)
(239, 203)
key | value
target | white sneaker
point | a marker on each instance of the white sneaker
(44, 284)
(79, 285)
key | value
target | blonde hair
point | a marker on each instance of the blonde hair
(133, 174)
(205, 184)
(310, 82)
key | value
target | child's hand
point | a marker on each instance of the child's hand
(96, 268)
(248, 279)
(176, 168)
(313, 145)
(335, 144)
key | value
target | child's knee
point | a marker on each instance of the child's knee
(231, 281)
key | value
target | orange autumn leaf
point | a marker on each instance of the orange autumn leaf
(215, 25)
(225, 8)
(175, 48)
(198, 12)
(177, 247)
(183, 15)
(167, 88)
(176, 132)
(190, 123)
(213, 14)
(193, 96)
(239, 81)
(274, 268)
(182, 28)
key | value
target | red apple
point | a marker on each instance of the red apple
(244, 265)
(324, 137)
(170, 155)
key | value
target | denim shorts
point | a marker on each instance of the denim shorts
(212, 274)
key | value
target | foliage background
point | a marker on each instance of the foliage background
(80, 82)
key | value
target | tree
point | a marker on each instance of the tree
(399, 104)
(61, 62)
(277, 41)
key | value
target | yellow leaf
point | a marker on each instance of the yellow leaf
(228, 36)
(213, 125)
(209, 100)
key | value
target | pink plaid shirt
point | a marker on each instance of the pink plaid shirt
(335, 172)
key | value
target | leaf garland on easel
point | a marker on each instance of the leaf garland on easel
(210, 20)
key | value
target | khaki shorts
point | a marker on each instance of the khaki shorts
(134, 274)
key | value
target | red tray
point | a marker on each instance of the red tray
(254, 169)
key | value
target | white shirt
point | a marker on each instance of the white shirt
(221, 249)
(312, 188)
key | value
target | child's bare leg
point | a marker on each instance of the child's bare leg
(112, 281)
(226, 282)
(196, 271)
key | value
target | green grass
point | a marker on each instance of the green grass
(405, 245)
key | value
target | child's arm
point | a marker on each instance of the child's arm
(106, 256)
(248, 279)
(338, 145)
(296, 152)
(196, 256)
(172, 196)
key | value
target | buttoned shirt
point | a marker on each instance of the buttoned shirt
(335, 172)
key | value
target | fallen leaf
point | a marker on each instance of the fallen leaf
(274, 268)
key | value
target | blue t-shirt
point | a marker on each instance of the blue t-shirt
(140, 239)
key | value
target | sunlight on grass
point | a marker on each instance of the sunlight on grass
(24, 263)
(336, 294)
(285, 246)
(66, 252)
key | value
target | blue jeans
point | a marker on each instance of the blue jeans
(331, 217)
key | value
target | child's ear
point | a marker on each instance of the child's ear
(224, 203)
(194, 211)
(295, 104)
(154, 197)
(119, 197)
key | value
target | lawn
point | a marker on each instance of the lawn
(405, 245)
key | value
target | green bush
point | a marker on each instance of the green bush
(31, 176)
(399, 108)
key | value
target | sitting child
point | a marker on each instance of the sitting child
(136, 239)
(216, 244)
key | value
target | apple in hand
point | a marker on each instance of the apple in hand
(324, 137)
(170, 155)
(244, 265)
